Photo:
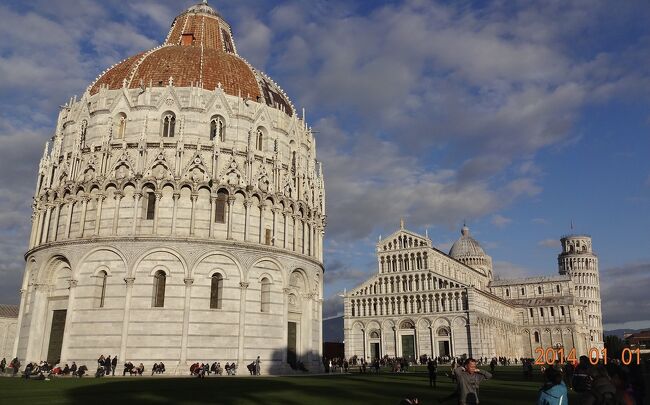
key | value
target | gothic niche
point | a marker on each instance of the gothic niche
(232, 176)
(197, 172)
(407, 325)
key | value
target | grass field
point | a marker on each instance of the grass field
(506, 388)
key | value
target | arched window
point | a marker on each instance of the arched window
(216, 291)
(265, 295)
(259, 139)
(374, 334)
(539, 290)
(220, 208)
(536, 337)
(150, 206)
(557, 288)
(217, 129)
(84, 129)
(168, 125)
(159, 281)
(102, 278)
(507, 292)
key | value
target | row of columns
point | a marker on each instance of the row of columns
(311, 231)
(444, 302)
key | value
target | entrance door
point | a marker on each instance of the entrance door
(291, 344)
(56, 336)
(374, 351)
(443, 348)
(408, 347)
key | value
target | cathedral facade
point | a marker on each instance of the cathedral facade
(178, 216)
(424, 301)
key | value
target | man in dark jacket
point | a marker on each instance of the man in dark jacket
(114, 364)
(600, 389)
(432, 368)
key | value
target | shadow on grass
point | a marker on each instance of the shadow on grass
(505, 389)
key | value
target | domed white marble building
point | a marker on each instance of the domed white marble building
(178, 216)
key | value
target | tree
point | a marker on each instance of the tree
(614, 346)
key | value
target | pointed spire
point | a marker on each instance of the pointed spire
(401, 223)
(426, 233)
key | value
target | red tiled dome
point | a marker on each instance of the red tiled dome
(200, 51)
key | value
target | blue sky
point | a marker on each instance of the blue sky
(518, 118)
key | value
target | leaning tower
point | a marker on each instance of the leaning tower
(579, 261)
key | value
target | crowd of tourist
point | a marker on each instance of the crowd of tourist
(202, 369)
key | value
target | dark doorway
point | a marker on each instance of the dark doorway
(56, 336)
(374, 351)
(408, 347)
(291, 344)
(443, 348)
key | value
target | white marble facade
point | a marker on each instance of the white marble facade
(177, 224)
(424, 301)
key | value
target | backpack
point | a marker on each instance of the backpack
(607, 398)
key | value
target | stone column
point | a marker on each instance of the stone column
(261, 224)
(231, 203)
(193, 199)
(136, 217)
(156, 214)
(186, 321)
(285, 215)
(21, 314)
(395, 336)
(39, 227)
(116, 213)
(295, 218)
(285, 323)
(71, 203)
(175, 197)
(38, 319)
(417, 342)
(32, 236)
(247, 209)
(125, 320)
(242, 322)
(98, 213)
(46, 223)
(433, 349)
(68, 322)
(213, 208)
(274, 232)
(82, 221)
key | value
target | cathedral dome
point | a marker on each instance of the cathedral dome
(199, 51)
(466, 246)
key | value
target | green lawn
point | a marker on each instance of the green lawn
(504, 389)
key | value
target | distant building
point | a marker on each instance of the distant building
(638, 340)
(8, 325)
(424, 301)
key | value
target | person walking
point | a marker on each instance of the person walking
(432, 367)
(257, 365)
(468, 379)
(554, 390)
(114, 364)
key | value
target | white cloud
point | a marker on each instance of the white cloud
(500, 221)
(549, 243)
